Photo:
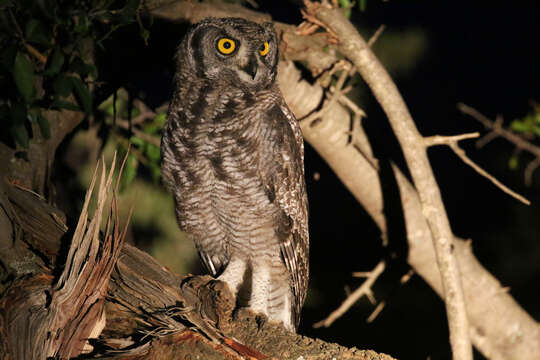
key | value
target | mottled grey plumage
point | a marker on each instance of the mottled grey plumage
(233, 157)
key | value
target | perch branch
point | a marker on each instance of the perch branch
(353, 46)
(364, 289)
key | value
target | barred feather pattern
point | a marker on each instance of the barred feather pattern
(233, 158)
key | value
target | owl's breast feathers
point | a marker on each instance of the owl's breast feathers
(245, 149)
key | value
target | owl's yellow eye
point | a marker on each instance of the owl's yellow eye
(226, 46)
(264, 49)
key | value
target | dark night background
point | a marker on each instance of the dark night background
(483, 54)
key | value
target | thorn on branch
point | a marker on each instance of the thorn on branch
(376, 35)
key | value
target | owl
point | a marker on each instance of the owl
(233, 158)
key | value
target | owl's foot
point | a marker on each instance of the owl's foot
(211, 305)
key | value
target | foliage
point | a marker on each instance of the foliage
(528, 127)
(140, 136)
(46, 56)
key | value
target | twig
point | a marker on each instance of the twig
(496, 127)
(376, 35)
(376, 312)
(529, 170)
(484, 140)
(148, 138)
(32, 50)
(459, 152)
(496, 130)
(452, 142)
(364, 289)
(334, 95)
(447, 140)
(315, 21)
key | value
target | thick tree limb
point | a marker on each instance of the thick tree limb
(414, 149)
(503, 330)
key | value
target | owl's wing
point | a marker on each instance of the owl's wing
(290, 195)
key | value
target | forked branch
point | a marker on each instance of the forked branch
(353, 46)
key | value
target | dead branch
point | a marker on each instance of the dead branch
(364, 289)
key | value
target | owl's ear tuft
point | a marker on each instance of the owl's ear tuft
(268, 26)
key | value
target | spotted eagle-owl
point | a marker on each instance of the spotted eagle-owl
(233, 158)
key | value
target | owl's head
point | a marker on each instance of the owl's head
(231, 50)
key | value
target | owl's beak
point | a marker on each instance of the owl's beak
(251, 67)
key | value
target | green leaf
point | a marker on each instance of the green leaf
(155, 170)
(23, 74)
(362, 4)
(127, 14)
(537, 130)
(346, 4)
(7, 57)
(152, 151)
(62, 86)
(61, 104)
(513, 163)
(130, 171)
(519, 126)
(18, 114)
(145, 35)
(82, 94)
(159, 119)
(55, 63)
(136, 141)
(83, 69)
(151, 129)
(36, 32)
(44, 126)
(82, 24)
(20, 135)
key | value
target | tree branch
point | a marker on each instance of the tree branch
(364, 289)
(501, 331)
(414, 149)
